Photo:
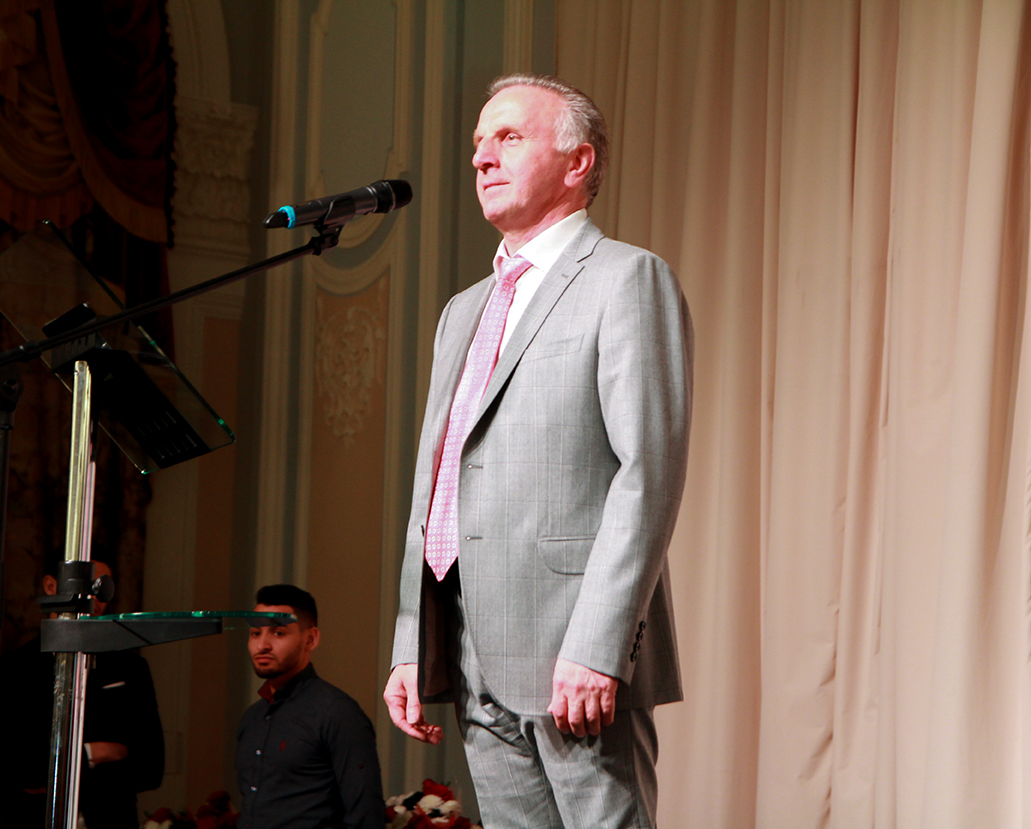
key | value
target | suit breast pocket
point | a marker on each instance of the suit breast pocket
(566, 555)
(554, 348)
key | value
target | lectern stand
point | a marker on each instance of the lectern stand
(121, 382)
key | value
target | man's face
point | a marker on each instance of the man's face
(284, 650)
(523, 182)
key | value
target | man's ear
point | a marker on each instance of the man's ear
(50, 585)
(313, 637)
(581, 160)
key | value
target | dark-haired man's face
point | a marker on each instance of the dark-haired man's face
(280, 653)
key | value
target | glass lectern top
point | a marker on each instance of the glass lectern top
(101, 634)
(230, 618)
(140, 398)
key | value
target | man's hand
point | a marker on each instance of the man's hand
(582, 700)
(402, 697)
(101, 751)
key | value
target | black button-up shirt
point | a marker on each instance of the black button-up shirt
(306, 759)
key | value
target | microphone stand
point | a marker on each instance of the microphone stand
(327, 238)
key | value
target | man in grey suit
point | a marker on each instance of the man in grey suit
(554, 489)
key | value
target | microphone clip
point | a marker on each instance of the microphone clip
(329, 237)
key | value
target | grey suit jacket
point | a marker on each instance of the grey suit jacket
(570, 483)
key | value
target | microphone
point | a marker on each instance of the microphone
(333, 211)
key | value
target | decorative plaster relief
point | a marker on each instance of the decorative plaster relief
(350, 347)
(212, 154)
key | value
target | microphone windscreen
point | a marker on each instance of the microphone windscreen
(277, 219)
(402, 192)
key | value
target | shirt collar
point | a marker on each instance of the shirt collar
(266, 692)
(544, 249)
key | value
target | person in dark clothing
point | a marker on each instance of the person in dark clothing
(123, 746)
(306, 752)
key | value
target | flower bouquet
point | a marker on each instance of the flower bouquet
(165, 818)
(216, 813)
(433, 807)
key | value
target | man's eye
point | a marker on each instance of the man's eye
(511, 137)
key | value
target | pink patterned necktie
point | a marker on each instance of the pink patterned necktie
(442, 527)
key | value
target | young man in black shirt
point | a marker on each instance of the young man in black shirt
(306, 752)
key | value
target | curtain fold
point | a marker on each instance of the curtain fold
(112, 71)
(86, 114)
(844, 191)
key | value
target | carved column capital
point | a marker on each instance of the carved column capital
(212, 193)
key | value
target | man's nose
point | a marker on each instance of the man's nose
(484, 156)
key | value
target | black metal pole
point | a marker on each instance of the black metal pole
(10, 393)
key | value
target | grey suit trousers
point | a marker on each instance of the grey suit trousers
(529, 775)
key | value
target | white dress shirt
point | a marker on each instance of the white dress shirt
(542, 252)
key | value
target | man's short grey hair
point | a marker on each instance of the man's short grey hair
(582, 122)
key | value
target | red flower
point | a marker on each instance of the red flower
(217, 812)
(220, 800)
(162, 814)
(440, 790)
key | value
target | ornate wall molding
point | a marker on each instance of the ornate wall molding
(209, 126)
(270, 536)
(432, 167)
(350, 348)
(198, 34)
(385, 329)
(397, 158)
(212, 194)
(319, 274)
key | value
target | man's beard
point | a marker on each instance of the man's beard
(272, 671)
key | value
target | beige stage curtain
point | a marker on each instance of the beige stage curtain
(843, 188)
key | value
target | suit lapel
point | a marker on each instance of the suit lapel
(554, 284)
(460, 329)
(459, 337)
